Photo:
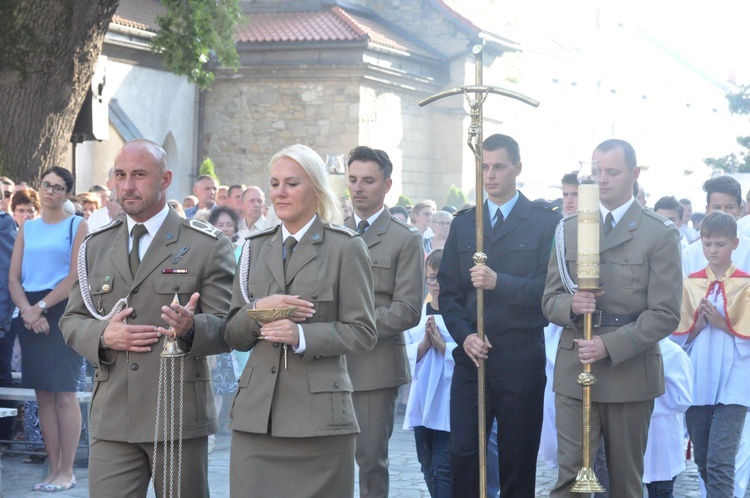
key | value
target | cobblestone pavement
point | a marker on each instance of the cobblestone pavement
(406, 478)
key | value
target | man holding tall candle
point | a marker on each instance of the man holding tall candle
(639, 304)
(517, 238)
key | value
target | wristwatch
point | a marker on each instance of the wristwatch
(42, 306)
(101, 341)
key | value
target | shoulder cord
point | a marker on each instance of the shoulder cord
(570, 286)
(245, 270)
(83, 280)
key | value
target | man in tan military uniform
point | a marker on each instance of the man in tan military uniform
(183, 257)
(397, 261)
(642, 281)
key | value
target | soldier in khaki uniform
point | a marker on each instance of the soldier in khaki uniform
(397, 261)
(183, 257)
(293, 419)
(640, 305)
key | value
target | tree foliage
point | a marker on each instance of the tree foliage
(48, 53)
(456, 197)
(736, 162)
(403, 201)
(197, 35)
(207, 168)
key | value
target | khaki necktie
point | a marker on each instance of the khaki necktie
(289, 244)
(362, 226)
(134, 258)
(609, 224)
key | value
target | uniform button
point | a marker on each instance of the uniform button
(134, 367)
(336, 385)
(315, 295)
(627, 260)
(176, 287)
(98, 289)
(134, 291)
(273, 370)
(197, 374)
(276, 344)
(252, 295)
(134, 315)
(317, 357)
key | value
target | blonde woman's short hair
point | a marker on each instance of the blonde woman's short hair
(327, 205)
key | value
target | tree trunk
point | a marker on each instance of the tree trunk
(48, 53)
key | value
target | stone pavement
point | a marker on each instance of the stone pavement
(406, 478)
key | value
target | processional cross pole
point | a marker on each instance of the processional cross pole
(475, 96)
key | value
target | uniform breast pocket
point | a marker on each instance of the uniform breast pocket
(331, 400)
(101, 287)
(381, 271)
(176, 284)
(257, 289)
(520, 254)
(320, 294)
(625, 269)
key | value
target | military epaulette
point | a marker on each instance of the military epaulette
(411, 228)
(546, 205)
(342, 229)
(203, 227)
(267, 231)
(465, 210)
(661, 219)
(114, 223)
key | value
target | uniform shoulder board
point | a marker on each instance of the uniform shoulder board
(411, 228)
(342, 229)
(203, 227)
(267, 231)
(546, 205)
(464, 211)
(661, 219)
(114, 223)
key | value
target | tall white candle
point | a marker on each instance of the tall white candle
(588, 236)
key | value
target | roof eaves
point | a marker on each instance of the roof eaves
(346, 19)
(469, 27)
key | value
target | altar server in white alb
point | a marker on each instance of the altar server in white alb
(665, 449)
(430, 347)
(715, 332)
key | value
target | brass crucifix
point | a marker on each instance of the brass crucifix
(475, 96)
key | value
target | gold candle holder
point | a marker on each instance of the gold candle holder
(588, 280)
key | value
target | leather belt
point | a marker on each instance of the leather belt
(600, 319)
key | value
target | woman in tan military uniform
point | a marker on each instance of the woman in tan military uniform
(293, 420)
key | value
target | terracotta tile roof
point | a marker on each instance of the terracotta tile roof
(334, 25)
(139, 14)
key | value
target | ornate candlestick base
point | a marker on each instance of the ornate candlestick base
(586, 482)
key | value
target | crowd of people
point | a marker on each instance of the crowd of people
(381, 301)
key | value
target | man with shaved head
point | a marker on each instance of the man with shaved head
(130, 273)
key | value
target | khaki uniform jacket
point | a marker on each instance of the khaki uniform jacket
(640, 273)
(397, 262)
(123, 405)
(330, 267)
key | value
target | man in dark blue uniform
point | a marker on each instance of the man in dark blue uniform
(518, 237)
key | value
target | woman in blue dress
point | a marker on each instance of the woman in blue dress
(42, 271)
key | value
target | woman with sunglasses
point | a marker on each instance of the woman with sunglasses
(42, 271)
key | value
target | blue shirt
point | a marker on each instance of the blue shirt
(46, 252)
